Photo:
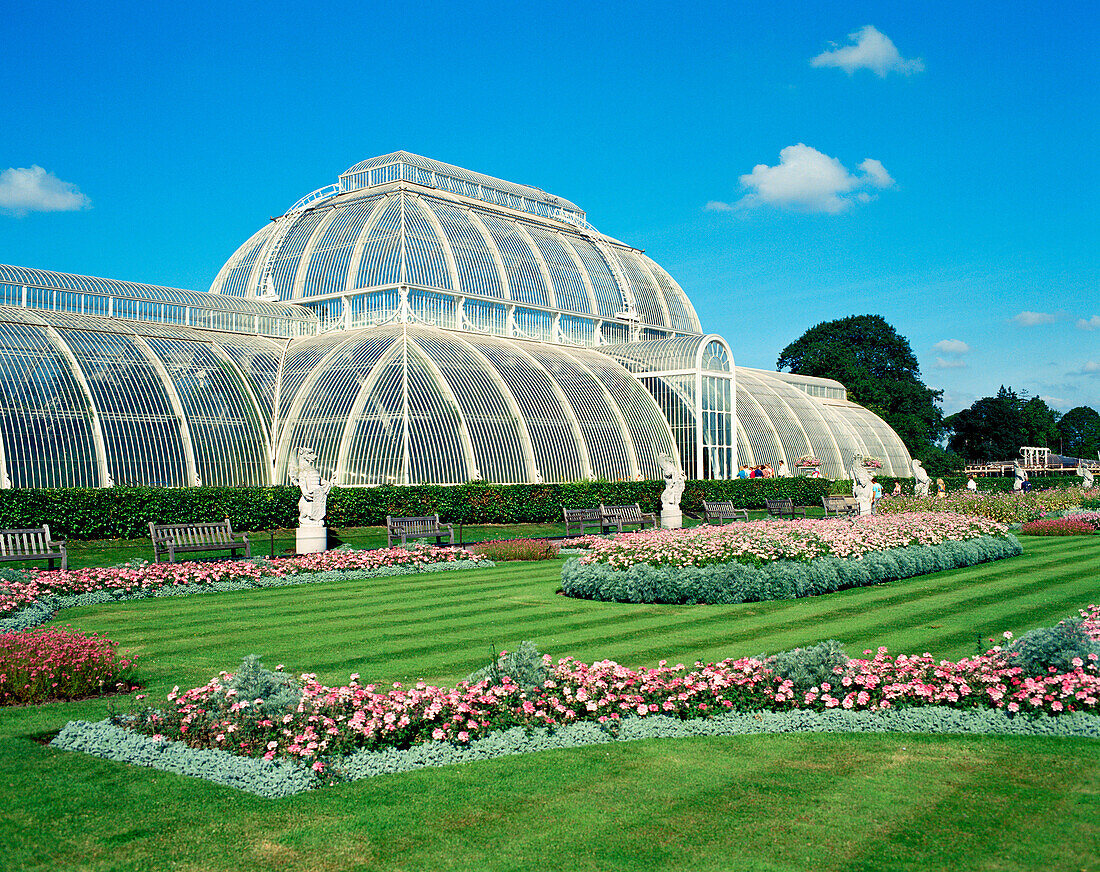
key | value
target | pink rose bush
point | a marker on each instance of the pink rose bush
(759, 542)
(142, 576)
(330, 722)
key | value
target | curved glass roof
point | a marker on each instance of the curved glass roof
(777, 420)
(390, 405)
(88, 295)
(413, 234)
(405, 166)
(92, 401)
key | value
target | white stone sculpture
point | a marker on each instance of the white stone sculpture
(671, 516)
(920, 487)
(313, 504)
(1021, 476)
(1086, 474)
(862, 487)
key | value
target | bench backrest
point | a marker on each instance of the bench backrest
(720, 507)
(622, 513)
(575, 516)
(425, 524)
(197, 533)
(33, 541)
(780, 505)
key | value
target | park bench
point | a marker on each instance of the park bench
(839, 505)
(424, 527)
(174, 539)
(32, 544)
(578, 520)
(785, 509)
(722, 510)
(625, 516)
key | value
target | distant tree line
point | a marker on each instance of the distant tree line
(881, 373)
(994, 428)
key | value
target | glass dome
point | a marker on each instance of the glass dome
(460, 250)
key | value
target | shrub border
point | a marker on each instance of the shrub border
(276, 779)
(732, 583)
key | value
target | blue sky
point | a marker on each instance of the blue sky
(787, 163)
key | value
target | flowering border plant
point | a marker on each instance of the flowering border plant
(759, 542)
(328, 723)
(31, 586)
(1007, 507)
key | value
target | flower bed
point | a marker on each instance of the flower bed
(1008, 508)
(39, 666)
(324, 727)
(516, 549)
(1069, 526)
(21, 590)
(1090, 518)
(759, 542)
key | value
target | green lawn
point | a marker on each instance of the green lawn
(859, 802)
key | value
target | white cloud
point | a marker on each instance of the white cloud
(1092, 367)
(943, 363)
(952, 346)
(32, 189)
(873, 50)
(1030, 319)
(876, 173)
(808, 181)
(1092, 323)
(718, 206)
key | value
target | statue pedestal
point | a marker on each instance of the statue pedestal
(310, 540)
(672, 518)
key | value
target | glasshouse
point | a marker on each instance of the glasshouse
(412, 323)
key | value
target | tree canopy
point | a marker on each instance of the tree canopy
(1079, 429)
(995, 428)
(991, 429)
(878, 368)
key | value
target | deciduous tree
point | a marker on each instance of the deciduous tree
(878, 368)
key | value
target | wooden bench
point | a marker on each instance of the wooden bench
(425, 527)
(785, 509)
(32, 544)
(578, 520)
(174, 539)
(625, 516)
(838, 505)
(722, 510)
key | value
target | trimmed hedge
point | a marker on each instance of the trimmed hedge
(730, 583)
(280, 778)
(125, 512)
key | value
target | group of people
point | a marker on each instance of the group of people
(765, 470)
(877, 492)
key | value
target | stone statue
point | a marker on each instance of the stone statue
(671, 516)
(314, 502)
(920, 487)
(1021, 476)
(1086, 474)
(862, 487)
